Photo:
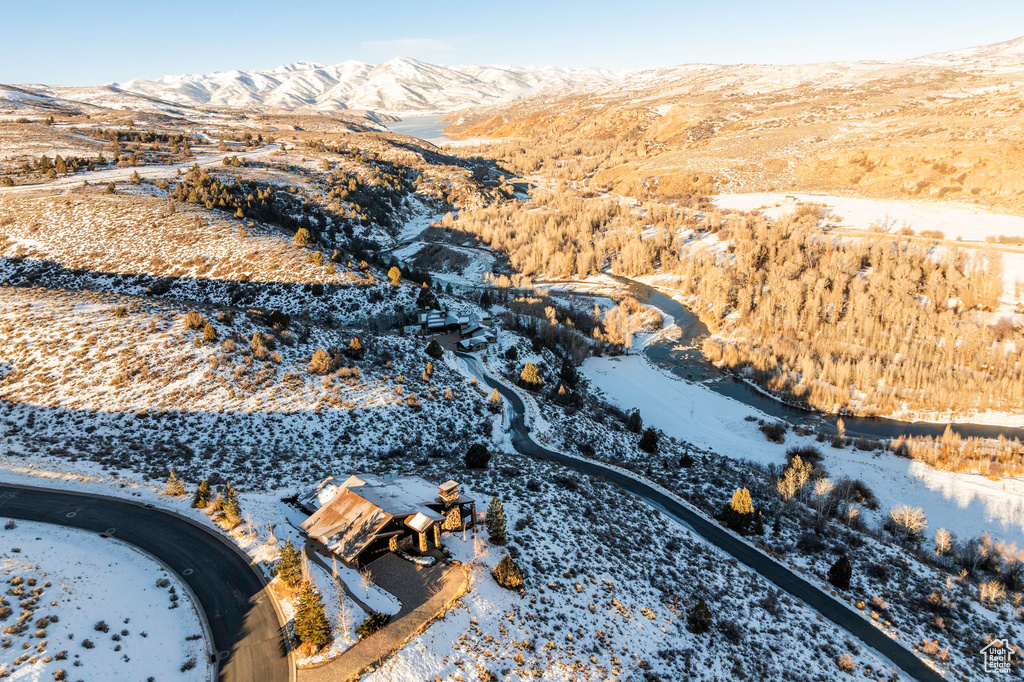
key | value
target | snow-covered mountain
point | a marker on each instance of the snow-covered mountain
(401, 85)
(997, 56)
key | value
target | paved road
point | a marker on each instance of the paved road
(121, 174)
(782, 577)
(242, 617)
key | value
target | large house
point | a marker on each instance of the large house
(366, 516)
(441, 321)
(476, 335)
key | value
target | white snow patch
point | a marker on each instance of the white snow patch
(96, 579)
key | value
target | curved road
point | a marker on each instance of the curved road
(241, 615)
(780, 576)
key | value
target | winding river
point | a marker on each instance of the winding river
(679, 352)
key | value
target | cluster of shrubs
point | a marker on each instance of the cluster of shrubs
(508, 574)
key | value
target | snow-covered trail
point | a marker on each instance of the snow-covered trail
(122, 174)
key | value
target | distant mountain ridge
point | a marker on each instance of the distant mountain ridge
(1007, 53)
(939, 126)
(401, 85)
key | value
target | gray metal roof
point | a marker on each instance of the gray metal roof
(401, 496)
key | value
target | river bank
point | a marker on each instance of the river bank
(677, 349)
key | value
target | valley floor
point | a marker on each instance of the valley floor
(966, 504)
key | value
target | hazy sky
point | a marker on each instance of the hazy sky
(79, 43)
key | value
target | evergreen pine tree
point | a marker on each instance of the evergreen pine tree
(634, 422)
(568, 374)
(209, 333)
(175, 488)
(311, 623)
(840, 573)
(289, 565)
(232, 509)
(201, 500)
(477, 456)
(356, 348)
(321, 362)
(485, 300)
(741, 502)
(426, 299)
(434, 349)
(698, 619)
(496, 522)
(739, 513)
(649, 441)
(508, 574)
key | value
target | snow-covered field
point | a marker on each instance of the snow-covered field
(100, 610)
(966, 504)
(954, 220)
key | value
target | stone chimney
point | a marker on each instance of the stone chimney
(448, 492)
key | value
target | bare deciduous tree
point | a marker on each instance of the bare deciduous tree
(943, 541)
(908, 523)
(366, 579)
(823, 488)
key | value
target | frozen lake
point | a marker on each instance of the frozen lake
(424, 127)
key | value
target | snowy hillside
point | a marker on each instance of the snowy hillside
(1007, 53)
(399, 85)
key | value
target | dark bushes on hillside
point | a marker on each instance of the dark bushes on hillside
(774, 431)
